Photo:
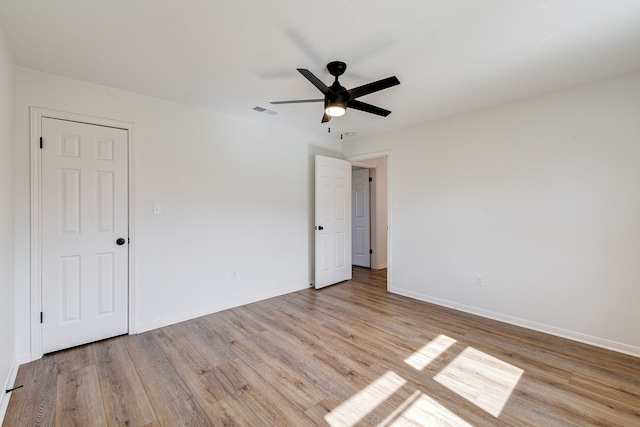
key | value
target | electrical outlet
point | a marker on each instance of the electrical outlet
(479, 280)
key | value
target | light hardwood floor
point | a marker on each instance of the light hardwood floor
(349, 354)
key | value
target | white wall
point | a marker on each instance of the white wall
(234, 194)
(541, 197)
(7, 299)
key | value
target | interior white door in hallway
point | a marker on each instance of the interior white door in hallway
(360, 218)
(84, 216)
(332, 221)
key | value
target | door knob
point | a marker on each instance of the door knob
(319, 227)
(120, 241)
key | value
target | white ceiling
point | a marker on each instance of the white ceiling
(228, 56)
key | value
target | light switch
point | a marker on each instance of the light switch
(157, 209)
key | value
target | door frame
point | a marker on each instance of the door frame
(361, 159)
(36, 116)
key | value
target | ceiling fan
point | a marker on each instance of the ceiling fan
(337, 98)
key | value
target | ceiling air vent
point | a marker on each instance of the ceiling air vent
(264, 110)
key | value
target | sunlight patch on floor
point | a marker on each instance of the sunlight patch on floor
(420, 409)
(483, 380)
(429, 352)
(365, 401)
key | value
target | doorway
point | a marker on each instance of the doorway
(81, 277)
(378, 171)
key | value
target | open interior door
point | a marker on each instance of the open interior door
(360, 218)
(333, 221)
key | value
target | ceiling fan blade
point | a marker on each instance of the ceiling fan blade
(325, 118)
(298, 101)
(368, 108)
(359, 91)
(316, 81)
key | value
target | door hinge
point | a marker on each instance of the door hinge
(41, 142)
(41, 317)
(370, 251)
(370, 179)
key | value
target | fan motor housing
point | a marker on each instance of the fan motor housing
(336, 68)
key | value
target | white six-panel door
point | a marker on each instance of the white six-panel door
(83, 213)
(360, 219)
(333, 221)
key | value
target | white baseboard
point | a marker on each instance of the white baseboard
(552, 330)
(181, 317)
(21, 359)
(8, 383)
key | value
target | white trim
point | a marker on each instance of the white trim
(362, 158)
(4, 398)
(37, 114)
(540, 327)
(363, 165)
(23, 358)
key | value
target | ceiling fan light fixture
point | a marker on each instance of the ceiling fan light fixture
(337, 98)
(335, 109)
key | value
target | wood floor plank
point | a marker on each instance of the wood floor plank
(173, 403)
(190, 364)
(75, 358)
(240, 393)
(559, 399)
(35, 403)
(315, 338)
(266, 402)
(242, 320)
(297, 388)
(332, 385)
(202, 337)
(349, 354)
(263, 306)
(229, 412)
(530, 359)
(318, 412)
(125, 400)
(418, 381)
(617, 394)
(79, 399)
(145, 352)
